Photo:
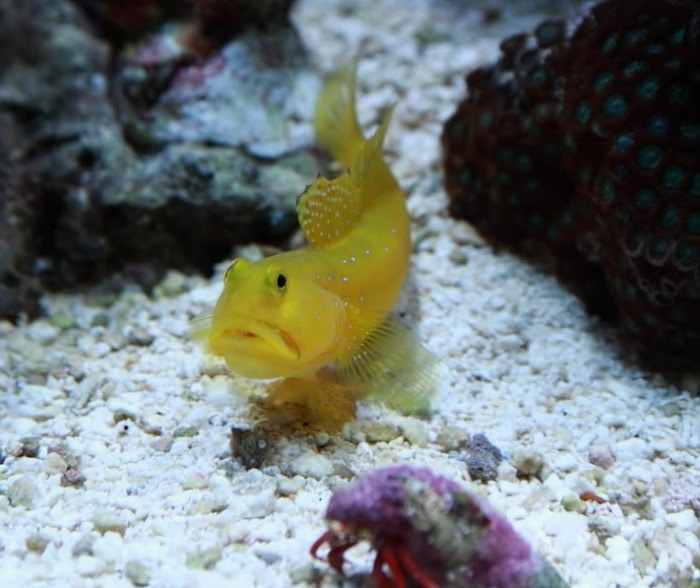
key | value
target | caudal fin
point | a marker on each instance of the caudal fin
(335, 119)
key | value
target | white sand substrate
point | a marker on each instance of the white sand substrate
(114, 391)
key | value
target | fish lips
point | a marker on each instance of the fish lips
(255, 337)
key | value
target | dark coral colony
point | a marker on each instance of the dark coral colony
(582, 143)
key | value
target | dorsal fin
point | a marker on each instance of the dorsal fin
(335, 120)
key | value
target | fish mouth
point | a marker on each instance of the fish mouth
(261, 334)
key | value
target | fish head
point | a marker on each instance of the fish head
(272, 320)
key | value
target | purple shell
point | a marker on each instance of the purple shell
(452, 536)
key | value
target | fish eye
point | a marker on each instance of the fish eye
(281, 281)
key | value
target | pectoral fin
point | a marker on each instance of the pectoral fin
(394, 368)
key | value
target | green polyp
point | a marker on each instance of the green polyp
(547, 33)
(538, 76)
(485, 119)
(693, 292)
(582, 112)
(657, 124)
(505, 154)
(503, 177)
(549, 150)
(670, 217)
(660, 246)
(623, 142)
(647, 88)
(456, 130)
(465, 177)
(687, 253)
(635, 36)
(602, 81)
(677, 315)
(638, 237)
(630, 326)
(630, 292)
(621, 171)
(673, 177)
(615, 106)
(607, 190)
(690, 130)
(569, 140)
(610, 44)
(692, 224)
(537, 220)
(644, 199)
(509, 128)
(650, 320)
(677, 95)
(695, 185)
(524, 162)
(513, 199)
(543, 111)
(532, 186)
(677, 36)
(622, 215)
(650, 156)
(654, 49)
(672, 63)
(584, 174)
(633, 68)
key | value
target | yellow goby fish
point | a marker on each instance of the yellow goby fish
(327, 304)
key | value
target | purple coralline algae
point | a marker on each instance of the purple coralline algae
(429, 530)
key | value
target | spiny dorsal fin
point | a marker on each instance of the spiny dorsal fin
(328, 210)
(369, 172)
(335, 121)
(394, 368)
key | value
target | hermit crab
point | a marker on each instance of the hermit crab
(429, 532)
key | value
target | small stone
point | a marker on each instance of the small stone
(632, 449)
(139, 337)
(63, 319)
(54, 463)
(27, 447)
(380, 433)
(135, 571)
(414, 432)
(163, 444)
(22, 492)
(124, 414)
(307, 575)
(73, 477)
(312, 465)
(269, 557)
(37, 543)
(83, 546)
(528, 463)
(203, 560)
(601, 455)
(482, 458)
(459, 256)
(185, 432)
(106, 521)
(195, 483)
(643, 557)
(172, 284)
(249, 446)
(288, 486)
(572, 503)
(451, 438)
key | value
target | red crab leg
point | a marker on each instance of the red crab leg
(386, 554)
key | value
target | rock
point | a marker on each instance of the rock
(118, 157)
(137, 572)
(23, 492)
